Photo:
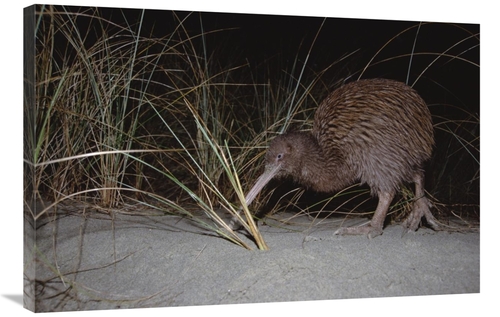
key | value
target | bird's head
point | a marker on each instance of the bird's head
(284, 157)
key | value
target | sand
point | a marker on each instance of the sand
(164, 261)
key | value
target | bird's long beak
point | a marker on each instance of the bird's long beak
(269, 172)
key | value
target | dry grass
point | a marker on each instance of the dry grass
(111, 121)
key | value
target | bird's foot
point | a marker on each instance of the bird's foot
(420, 209)
(368, 230)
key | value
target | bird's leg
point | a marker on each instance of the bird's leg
(420, 207)
(376, 225)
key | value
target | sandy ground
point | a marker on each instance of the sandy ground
(164, 261)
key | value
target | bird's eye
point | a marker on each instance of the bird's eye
(279, 156)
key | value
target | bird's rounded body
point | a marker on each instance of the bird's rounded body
(381, 128)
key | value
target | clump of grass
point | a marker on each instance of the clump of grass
(109, 113)
(88, 107)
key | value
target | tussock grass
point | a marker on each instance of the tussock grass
(117, 113)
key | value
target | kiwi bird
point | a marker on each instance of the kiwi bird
(375, 131)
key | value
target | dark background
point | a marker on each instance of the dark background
(276, 39)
